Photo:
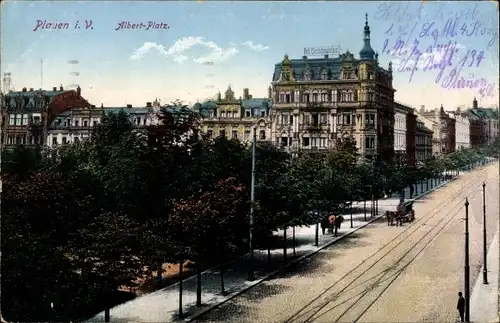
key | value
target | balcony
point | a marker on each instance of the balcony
(314, 127)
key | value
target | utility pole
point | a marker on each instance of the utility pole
(251, 275)
(485, 266)
(466, 267)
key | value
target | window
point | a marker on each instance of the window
(10, 140)
(305, 98)
(25, 119)
(76, 139)
(222, 132)
(307, 119)
(314, 142)
(369, 119)
(324, 97)
(262, 134)
(234, 134)
(346, 118)
(144, 121)
(262, 113)
(76, 123)
(64, 140)
(12, 119)
(18, 119)
(284, 141)
(287, 98)
(247, 113)
(323, 118)
(305, 141)
(85, 123)
(210, 133)
(370, 142)
(94, 123)
(324, 75)
(315, 97)
(315, 119)
(54, 141)
(247, 135)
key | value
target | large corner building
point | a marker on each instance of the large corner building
(319, 100)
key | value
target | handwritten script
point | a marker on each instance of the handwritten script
(426, 44)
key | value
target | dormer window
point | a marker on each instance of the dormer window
(324, 75)
(308, 75)
(285, 76)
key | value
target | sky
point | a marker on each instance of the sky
(200, 47)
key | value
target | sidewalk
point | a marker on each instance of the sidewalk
(484, 298)
(163, 305)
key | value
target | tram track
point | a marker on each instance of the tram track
(310, 311)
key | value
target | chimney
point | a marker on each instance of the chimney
(246, 94)
(149, 105)
(422, 108)
(31, 89)
(269, 92)
(54, 88)
(250, 96)
(326, 56)
(79, 91)
(24, 89)
(61, 88)
(129, 105)
(474, 103)
(441, 109)
(304, 57)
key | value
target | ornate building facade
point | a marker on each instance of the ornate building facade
(77, 124)
(423, 142)
(236, 118)
(444, 130)
(27, 114)
(462, 129)
(319, 100)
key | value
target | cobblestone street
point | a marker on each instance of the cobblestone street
(383, 274)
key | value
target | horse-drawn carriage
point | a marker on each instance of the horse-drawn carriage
(404, 213)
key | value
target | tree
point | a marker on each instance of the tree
(39, 213)
(21, 161)
(212, 223)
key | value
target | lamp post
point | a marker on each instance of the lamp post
(251, 275)
(466, 267)
(485, 267)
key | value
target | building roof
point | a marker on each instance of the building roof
(35, 93)
(315, 65)
(331, 65)
(486, 113)
(254, 103)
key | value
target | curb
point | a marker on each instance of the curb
(300, 259)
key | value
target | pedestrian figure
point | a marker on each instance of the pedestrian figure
(331, 223)
(461, 306)
(324, 224)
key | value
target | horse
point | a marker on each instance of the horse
(394, 215)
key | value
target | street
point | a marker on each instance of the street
(384, 274)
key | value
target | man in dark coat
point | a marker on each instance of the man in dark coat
(461, 306)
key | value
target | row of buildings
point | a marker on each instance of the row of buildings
(311, 103)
